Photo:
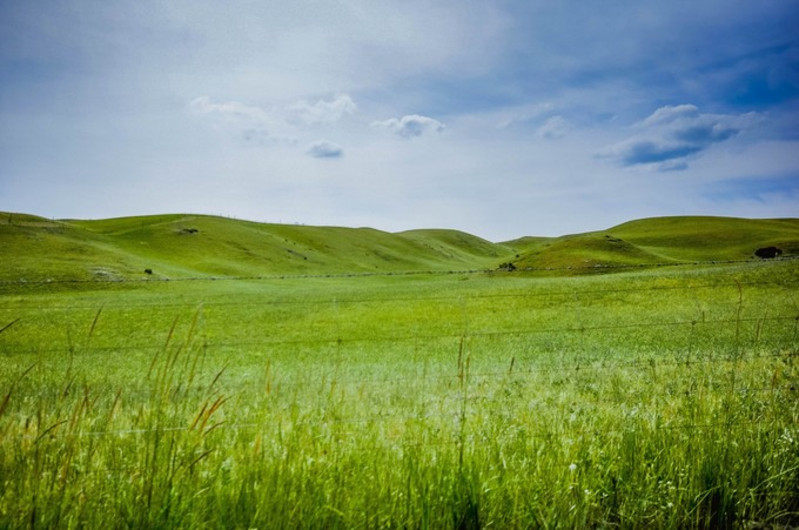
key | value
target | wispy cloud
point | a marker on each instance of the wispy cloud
(672, 135)
(554, 128)
(251, 123)
(410, 125)
(281, 123)
(669, 114)
(324, 111)
(232, 110)
(524, 114)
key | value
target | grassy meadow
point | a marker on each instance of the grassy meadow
(253, 381)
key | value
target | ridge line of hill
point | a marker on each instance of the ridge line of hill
(191, 245)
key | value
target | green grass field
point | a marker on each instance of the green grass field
(269, 376)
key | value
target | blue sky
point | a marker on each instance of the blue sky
(503, 119)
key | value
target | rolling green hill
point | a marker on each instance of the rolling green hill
(661, 240)
(709, 238)
(182, 246)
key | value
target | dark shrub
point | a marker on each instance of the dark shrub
(768, 252)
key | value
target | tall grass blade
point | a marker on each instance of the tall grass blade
(216, 378)
(7, 326)
(47, 430)
(94, 322)
(6, 401)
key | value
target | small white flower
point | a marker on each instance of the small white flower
(572, 467)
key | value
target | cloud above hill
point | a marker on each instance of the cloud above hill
(324, 111)
(410, 126)
(281, 123)
(231, 110)
(325, 149)
(672, 136)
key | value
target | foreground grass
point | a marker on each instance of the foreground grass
(659, 399)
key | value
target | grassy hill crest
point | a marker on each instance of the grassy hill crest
(659, 240)
(184, 245)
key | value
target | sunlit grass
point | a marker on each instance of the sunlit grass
(659, 399)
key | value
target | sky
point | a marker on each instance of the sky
(500, 118)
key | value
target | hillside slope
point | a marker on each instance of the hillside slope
(180, 246)
(710, 238)
(661, 240)
(187, 246)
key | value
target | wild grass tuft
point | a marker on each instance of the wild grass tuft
(663, 400)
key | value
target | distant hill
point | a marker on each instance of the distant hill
(183, 246)
(662, 240)
(180, 246)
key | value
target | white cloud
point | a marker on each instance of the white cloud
(672, 136)
(324, 111)
(325, 149)
(230, 109)
(410, 125)
(525, 114)
(669, 114)
(282, 123)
